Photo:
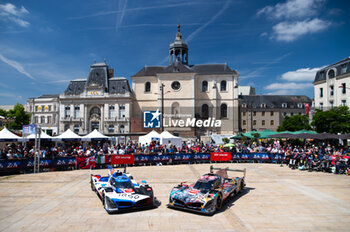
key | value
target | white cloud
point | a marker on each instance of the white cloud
(290, 31)
(292, 9)
(10, 12)
(16, 66)
(288, 86)
(303, 74)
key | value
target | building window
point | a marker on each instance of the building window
(321, 106)
(223, 86)
(284, 105)
(49, 119)
(331, 104)
(36, 108)
(321, 92)
(36, 119)
(244, 122)
(50, 108)
(243, 114)
(175, 110)
(300, 105)
(42, 119)
(284, 114)
(343, 68)
(111, 112)
(263, 113)
(331, 73)
(244, 105)
(66, 127)
(67, 112)
(42, 108)
(263, 122)
(175, 85)
(204, 86)
(223, 111)
(331, 90)
(254, 113)
(263, 105)
(254, 122)
(76, 128)
(205, 111)
(343, 86)
(272, 122)
(299, 113)
(122, 111)
(148, 87)
(271, 113)
(111, 128)
(291, 114)
(76, 111)
(122, 129)
(343, 102)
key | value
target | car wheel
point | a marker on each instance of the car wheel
(219, 202)
(105, 204)
(92, 185)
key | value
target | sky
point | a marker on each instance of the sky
(276, 46)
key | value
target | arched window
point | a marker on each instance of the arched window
(122, 129)
(205, 111)
(95, 111)
(223, 111)
(204, 86)
(331, 73)
(148, 87)
(223, 86)
(175, 109)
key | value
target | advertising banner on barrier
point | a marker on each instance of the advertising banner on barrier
(277, 157)
(122, 159)
(220, 156)
(10, 165)
(201, 157)
(84, 162)
(141, 159)
(64, 161)
(102, 159)
(160, 158)
(181, 157)
(334, 157)
(259, 156)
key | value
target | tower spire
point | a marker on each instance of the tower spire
(178, 50)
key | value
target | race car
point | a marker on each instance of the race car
(119, 191)
(208, 193)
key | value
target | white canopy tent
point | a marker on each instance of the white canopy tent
(8, 136)
(153, 135)
(68, 135)
(165, 137)
(43, 135)
(95, 135)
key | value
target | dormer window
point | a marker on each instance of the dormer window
(300, 105)
(331, 73)
(244, 105)
(343, 68)
(284, 105)
(263, 105)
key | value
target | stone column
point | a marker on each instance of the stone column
(86, 119)
(102, 118)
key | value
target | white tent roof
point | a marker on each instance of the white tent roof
(5, 134)
(68, 135)
(166, 134)
(95, 134)
(43, 135)
(166, 137)
(148, 138)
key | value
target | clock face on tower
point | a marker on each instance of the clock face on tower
(175, 85)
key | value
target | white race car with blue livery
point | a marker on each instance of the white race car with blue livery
(119, 191)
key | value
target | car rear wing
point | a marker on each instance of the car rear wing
(228, 169)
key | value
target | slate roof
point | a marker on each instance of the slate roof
(274, 101)
(321, 74)
(202, 69)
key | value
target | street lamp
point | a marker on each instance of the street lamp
(162, 103)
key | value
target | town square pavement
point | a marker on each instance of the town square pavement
(275, 199)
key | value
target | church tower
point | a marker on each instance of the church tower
(178, 50)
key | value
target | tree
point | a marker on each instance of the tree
(295, 123)
(226, 140)
(3, 113)
(335, 120)
(20, 117)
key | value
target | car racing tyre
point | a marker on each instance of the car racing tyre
(219, 202)
(241, 187)
(92, 185)
(105, 204)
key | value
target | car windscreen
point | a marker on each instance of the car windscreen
(204, 185)
(122, 184)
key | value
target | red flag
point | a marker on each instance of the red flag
(307, 108)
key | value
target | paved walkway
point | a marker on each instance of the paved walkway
(276, 199)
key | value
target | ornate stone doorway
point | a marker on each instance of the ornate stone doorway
(95, 119)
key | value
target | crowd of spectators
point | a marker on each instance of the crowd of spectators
(308, 156)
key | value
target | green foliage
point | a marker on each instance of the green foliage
(20, 117)
(3, 113)
(226, 140)
(335, 120)
(295, 123)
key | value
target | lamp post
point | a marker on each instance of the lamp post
(162, 103)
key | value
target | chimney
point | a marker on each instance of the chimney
(111, 72)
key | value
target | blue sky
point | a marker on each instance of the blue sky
(276, 46)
